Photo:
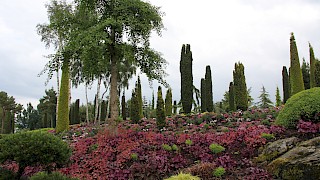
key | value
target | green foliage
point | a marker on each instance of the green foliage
(265, 101)
(103, 110)
(208, 89)
(175, 107)
(312, 67)
(285, 84)
(203, 95)
(231, 98)
(240, 87)
(51, 176)
(46, 109)
(63, 107)
(39, 148)
(186, 78)
(219, 172)
(6, 174)
(175, 147)
(266, 122)
(76, 111)
(216, 148)
(168, 102)
(317, 74)
(305, 69)
(166, 147)
(296, 79)
(278, 98)
(161, 118)
(303, 105)
(134, 114)
(183, 176)
(267, 136)
(134, 156)
(139, 97)
(189, 142)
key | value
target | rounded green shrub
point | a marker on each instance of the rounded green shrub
(52, 176)
(189, 142)
(34, 148)
(304, 105)
(6, 174)
(219, 172)
(267, 136)
(166, 147)
(183, 176)
(216, 148)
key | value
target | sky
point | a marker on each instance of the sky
(220, 33)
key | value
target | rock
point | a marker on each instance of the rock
(299, 162)
(277, 148)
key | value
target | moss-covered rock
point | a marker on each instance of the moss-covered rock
(304, 105)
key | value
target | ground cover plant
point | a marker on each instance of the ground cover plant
(207, 145)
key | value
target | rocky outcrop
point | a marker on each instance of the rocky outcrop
(289, 159)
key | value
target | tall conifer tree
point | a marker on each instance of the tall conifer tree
(232, 105)
(240, 87)
(123, 107)
(203, 95)
(209, 95)
(312, 67)
(135, 117)
(317, 73)
(168, 102)
(265, 101)
(161, 117)
(278, 98)
(139, 97)
(285, 84)
(186, 78)
(296, 79)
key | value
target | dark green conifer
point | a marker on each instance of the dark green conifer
(317, 73)
(139, 97)
(175, 107)
(312, 67)
(135, 117)
(209, 95)
(296, 79)
(240, 87)
(278, 98)
(285, 84)
(186, 78)
(103, 110)
(232, 105)
(77, 112)
(161, 118)
(203, 95)
(123, 107)
(265, 101)
(168, 102)
(305, 68)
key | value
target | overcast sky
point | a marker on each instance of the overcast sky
(220, 33)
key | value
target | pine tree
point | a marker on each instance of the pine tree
(265, 101)
(135, 116)
(305, 69)
(231, 99)
(161, 118)
(63, 107)
(186, 78)
(312, 67)
(278, 98)
(168, 102)
(296, 79)
(240, 87)
(208, 87)
(123, 107)
(203, 95)
(285, 84)
(139, 96)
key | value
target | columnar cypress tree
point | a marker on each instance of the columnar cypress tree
(103, 110)
(186, 78)
(232, 105)
(123, 107)
(203, 95)
(175, 107)
(63, 109)
(152, 103)
(317, 74)
(209, 95)
(76, 111)
(168, 102)
(240, 87)
(285, 84)
(135, 117)
(278, 98)
(305, 69)
(312, 67)
(139, 96)
(296, 79)
(161, 118)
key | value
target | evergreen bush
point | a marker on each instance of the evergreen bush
(304, 105)
(183, 176)
(51, 176)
